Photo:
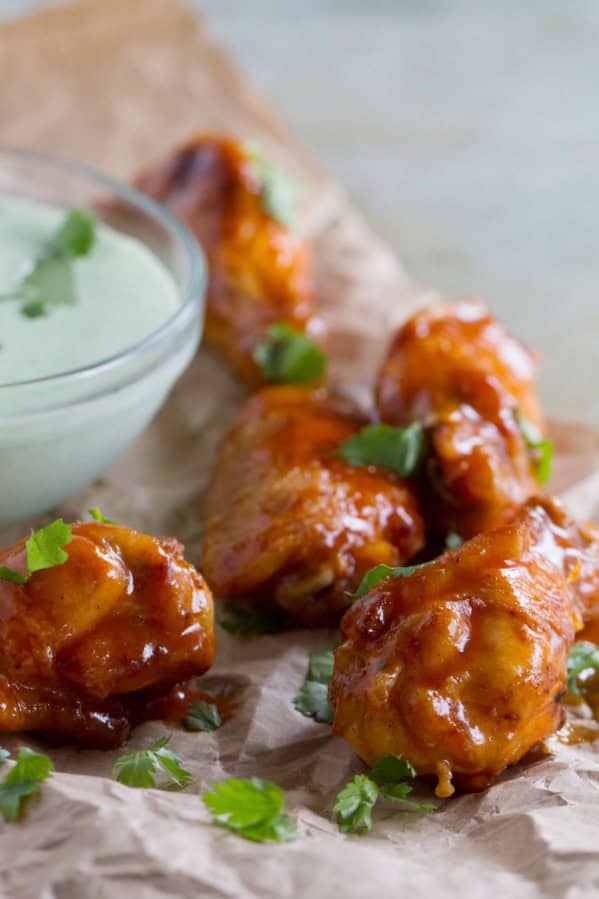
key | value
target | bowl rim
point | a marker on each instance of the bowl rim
(192, 291)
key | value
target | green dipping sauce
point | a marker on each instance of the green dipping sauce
(123, 294)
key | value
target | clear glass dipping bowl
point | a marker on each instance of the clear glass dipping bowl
(57, 434)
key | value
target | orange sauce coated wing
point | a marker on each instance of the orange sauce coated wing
(459, 667)
(459, 372)
(82, 643)
(291, 526)
(259, 271)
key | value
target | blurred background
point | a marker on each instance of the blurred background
(467, 131)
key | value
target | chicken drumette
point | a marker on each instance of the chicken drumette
(83, 646)
(460, 666)
(290, 525)
(472, 385)
(259, 270)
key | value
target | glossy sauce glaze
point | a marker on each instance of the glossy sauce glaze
(84, 646)
(291, 526)
(455, 369)
(460, 667)
(259, 270)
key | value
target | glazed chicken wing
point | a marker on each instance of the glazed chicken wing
(457, 370)
(83, 644)
(460, 666)
(288, 524)
(259, 271)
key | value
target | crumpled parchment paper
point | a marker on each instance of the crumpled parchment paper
(117, 83)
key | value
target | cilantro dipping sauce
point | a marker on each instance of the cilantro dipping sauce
(87, 308)
(96, 326)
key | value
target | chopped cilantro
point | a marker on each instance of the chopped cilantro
(584, 656)
(380, 573)
(278, 192)
(97, 515)
(251, 622)
(286, 356)
(387, 779)
(398, 449)
(252, 808)
(146, 767)
(542, 449)
(202, 716)
(313, 697)
(23, 780)
(44, 549)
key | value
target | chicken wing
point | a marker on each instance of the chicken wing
(290, 525)
(457, 370)
(259, 270)
(460, 666)
(84, 644)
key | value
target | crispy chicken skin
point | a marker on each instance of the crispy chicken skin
(458, 371)
(259, 271)
(460, 666)
(83, 644)
(288, 524)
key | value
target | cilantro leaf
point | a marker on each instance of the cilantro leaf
(279, 193)
(356, 800)
(23, 780)
(44, 547)
(391, 769)
(453, 540)
(253, 808)
(354, 805)
(202, 716)
(15, 577)
(320, 666)
(287, 356)
(398, 449)
(584, 656)
(97, 515)
(251, 622)
(380, 573)
(312, 699)
(50, 279)
(139, 769)
(76, 235)
(542, 448)
(43, 550)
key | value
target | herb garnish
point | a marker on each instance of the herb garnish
(23, 780)
(202, 716)
(380, 573)
(50, 280)
(313, 697)
(44, 549)
(97, 515)
(251, 622)
(252, 808)
(287, 356)
(140, 769)
(584, 656)
(398, 449)
(542, 448)
(278, 192)
(354, 804)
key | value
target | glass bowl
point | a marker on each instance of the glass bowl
(59, 433)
